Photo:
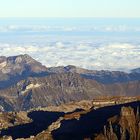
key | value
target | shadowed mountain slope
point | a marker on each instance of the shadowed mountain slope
(61, 88)
(88, 124)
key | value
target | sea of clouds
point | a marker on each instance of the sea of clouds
(114, 56)
(111, 44)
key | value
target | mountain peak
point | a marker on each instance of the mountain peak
(20, 59)
(19, 66)
(137, 70)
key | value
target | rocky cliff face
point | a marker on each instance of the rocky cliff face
(117, 122)
(10, 119)
(123, 127)
(51, 90)
(58, 89)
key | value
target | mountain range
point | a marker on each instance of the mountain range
(25, 83)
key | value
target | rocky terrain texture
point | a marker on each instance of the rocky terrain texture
(126, 126)
(67, 102)
(116, 122)
(65, 123)
(119, 122)
(25, 83)
(103, 76)
(50, 90)
(58, 89)
(9, 119)
(15, 68)
(24, 66)
(72, 106)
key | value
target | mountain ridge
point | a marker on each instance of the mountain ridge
(62, 88)
(29, 84)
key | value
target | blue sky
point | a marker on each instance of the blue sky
(69, 8)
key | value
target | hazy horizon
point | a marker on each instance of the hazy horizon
(92, 34)
(92, 43)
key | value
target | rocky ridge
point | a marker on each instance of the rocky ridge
(58, 89)
(25, 83)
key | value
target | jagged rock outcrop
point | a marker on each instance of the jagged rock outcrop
(108, 134)
(90, 124)
(124, 127)
(117, 122)
(9, 119)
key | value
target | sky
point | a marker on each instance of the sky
(108, 42)
(70, 8)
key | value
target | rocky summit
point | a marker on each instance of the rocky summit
(15, 68)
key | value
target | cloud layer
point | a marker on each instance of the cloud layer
(69, 28)
(114, 56)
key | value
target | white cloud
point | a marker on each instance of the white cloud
(112, 56)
